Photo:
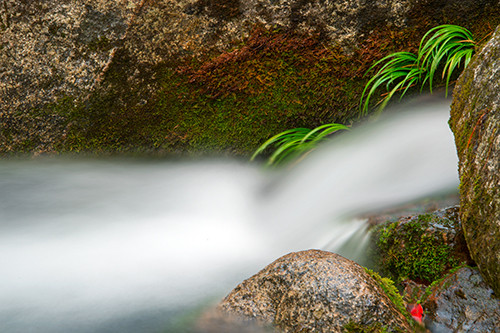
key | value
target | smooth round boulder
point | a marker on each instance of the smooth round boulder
(313, 291)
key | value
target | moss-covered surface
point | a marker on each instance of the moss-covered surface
(353, 327)
(230, 102)
(417, 249)
(390, 290)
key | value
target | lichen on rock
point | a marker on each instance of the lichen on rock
(475, 122)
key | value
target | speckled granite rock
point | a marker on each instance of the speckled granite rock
(462, 302)
(475, 122)
(313, 291)
(51, 49)
(193, 27)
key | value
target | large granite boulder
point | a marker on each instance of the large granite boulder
(195, 27)
(475, 122)
(84, 74)
(313, 291)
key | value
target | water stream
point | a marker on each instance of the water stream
(137, 245)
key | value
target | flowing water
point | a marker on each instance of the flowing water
(138, 246)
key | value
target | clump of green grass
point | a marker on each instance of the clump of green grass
(296, 142)
(399, 71)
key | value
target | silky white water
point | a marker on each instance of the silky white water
(134, 246)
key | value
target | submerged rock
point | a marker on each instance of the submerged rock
(313, 291)
(475, 122)
(462, 302)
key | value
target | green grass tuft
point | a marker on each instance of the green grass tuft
(450, 44)
(397, 72)
(296, 142)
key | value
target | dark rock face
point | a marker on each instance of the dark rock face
(313, 291)
(462, 302)
(475, 122)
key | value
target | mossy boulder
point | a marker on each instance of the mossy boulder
(420, 248)
(196, 75)
(475, 122)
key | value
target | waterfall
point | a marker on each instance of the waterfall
(140, 245)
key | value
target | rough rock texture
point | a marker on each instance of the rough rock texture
(462, 302)
(313, 291)
(51, 49)
(193, 27)
(475, 122)
(197, 26)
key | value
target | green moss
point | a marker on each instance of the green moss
(390, 290)
(225, 103)
(358, 328)
(229, 103)
(410, 251)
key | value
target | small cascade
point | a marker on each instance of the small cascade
(136, 246)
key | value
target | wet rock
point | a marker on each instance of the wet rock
(462, 302)
(313, 291)
(475, 122)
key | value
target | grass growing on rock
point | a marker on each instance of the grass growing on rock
(226, 103)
